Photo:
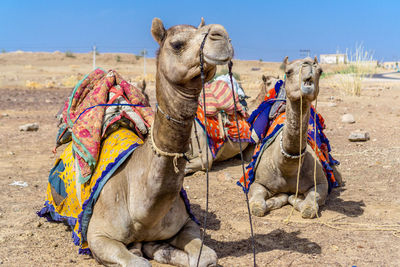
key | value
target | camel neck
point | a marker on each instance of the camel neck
(169, 135)
(291, 132)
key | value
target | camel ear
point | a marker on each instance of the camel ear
(264, 78)
(315, 60)
(143, 85)
(202, 23)
(158, 30)
(284, 63)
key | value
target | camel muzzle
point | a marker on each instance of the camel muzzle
(307, 87)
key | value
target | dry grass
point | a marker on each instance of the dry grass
(348, 78)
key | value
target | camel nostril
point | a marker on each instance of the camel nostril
(216, 35)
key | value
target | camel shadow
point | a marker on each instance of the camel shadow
(349, 208)
(213, 223)
(277, 239)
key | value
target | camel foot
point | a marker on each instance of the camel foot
(309, 210)
(138, 262)
(208, 258)
(258, 208)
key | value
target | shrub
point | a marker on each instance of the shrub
(69, 54)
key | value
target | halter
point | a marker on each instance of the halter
(290, 156)
(168, 117)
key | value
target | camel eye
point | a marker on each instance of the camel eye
(289, 72)
(177, 45)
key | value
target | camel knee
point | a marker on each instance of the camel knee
(277, 201)
(165, 253)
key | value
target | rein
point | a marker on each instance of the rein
(230, 64)
(205, 132)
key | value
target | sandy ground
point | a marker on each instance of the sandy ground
(368, 201)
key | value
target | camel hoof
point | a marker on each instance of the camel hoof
(258, 208)
(208, 258)
(139, 262)
(309, 211)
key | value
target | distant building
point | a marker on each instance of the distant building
(333, 58)
(393, 65)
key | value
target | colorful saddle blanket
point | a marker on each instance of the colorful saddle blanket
(71, 202)
(219, 98)
(267, 130)
(217, 138)
(97, 102)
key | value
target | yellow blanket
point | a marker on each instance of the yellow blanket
(73, 203)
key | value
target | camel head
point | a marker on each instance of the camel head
(269, 81)
(178, 58)
(302, 78)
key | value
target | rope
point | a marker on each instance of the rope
(230, 64)
(301, 136)
(106, 105)
(205, 132)
(163, 153)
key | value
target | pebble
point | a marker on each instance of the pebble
(348, 118)
(29, 127)
(19, 183)
(358, 136)
(11, 153)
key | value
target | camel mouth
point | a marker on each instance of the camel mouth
(308, 87)
(217, 61)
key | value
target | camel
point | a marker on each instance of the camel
(276, 173)
(268, 81)
(141, 205)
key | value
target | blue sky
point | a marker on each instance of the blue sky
(267, 30)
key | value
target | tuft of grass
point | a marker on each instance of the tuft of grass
(118, 58)
(349, 77)
(69, 54)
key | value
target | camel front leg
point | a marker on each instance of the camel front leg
(165, 253)
(309, 204)
(188, 240)
(258, 203)
(114, 253)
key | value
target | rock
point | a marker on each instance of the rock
(19, 183)
(327, 104)
(11, 153)
(358, 136)
(29, 127)
(225, 176)
(348, 118)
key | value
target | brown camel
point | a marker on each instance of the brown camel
(141, 205)
(268, 81)
(276, 174)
